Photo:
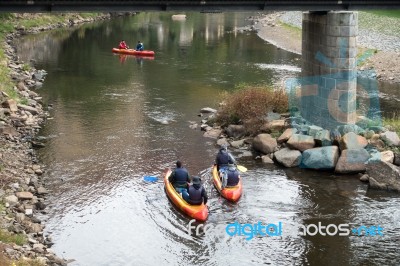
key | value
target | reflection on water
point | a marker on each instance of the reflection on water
(116, 121)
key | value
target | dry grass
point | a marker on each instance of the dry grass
(250, 105)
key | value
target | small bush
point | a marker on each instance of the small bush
(249, 106)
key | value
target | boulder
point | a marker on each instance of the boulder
(383, 175)
(24, 195)
(320, 158)
(391, 138)
(387, 156)
(213, 133)
(313, 130)
(273, 126)
(322, 138)
(352, 141)
(377, 142)
(222, 141)
(301, 142)
(264, 143)
(237, 143)
(352, 161)
(235, 131)
(288, 157)
(266, 159)
(286, 135)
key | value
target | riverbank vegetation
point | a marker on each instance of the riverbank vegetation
(249, 105)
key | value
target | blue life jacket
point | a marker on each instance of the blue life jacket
(223, 158)
(195, 197)
(233, 178)
(181, 177)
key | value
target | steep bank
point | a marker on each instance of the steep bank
(283, 29)
(22, 189)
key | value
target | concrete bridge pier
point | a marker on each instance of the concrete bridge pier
(329, 74)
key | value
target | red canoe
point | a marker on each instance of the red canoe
(198, 212)
(230, 193)
(133, 52)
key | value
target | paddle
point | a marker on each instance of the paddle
(149, 178)
(241, 168)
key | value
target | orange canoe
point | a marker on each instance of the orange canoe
(230, 193)
(198, 212)
(133, 52)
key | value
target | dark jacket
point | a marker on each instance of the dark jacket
(179, 177)
(197, 194)
(224, 158)
(139, 47)
(233, 177)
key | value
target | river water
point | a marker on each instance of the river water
(117, 119)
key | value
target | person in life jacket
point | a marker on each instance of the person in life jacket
(179, 178)
(139, 46)
(224, 158)
(231, 178)
(196, 194)
(123, 45)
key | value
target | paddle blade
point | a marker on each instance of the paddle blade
(241, 168)
(149, 178)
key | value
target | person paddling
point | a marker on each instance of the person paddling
(196, 194)
(123, 45)
(232, 176)
(139, 46)
(179, 178)
(223, 160)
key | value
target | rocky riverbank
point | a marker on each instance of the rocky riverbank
(283, 29)
(22, 190)
(293, 142)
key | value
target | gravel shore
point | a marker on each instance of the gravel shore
(374, 33)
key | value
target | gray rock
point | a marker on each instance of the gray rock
(391, 138)
(320, 158)
(264, 143)
(42, 190)
(352, 141)
(237, 143)
(222, 141)
(266, 159)
(387, 156)
(213, 133)
(322, 138)
(207, 110)
(286, 135)
(313, 130)
(384, 176)
(235, 131)
(12, 199)
(301, 142)
(364, 178)
(30, 109)
(273, 126)
(288, 157)
(24, 195)
(352, 161)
